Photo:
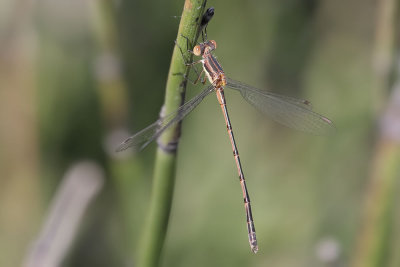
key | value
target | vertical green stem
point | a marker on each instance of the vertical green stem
(165, 164)
(374, 239)
(373, 244)
(385, 35)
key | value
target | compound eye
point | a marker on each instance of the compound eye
(214, 44)
(197, 50)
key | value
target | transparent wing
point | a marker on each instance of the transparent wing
(141, 139)
(289, 111)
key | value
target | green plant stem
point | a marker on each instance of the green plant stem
(385, 36)
(165, 164)
(373, 244)
(374, 239)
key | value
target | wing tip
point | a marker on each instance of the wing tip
(330, 128)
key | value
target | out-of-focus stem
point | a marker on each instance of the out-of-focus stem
(383, 60)
(373, 247)
(111, 85)
(372, 250)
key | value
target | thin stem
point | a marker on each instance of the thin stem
(385, 34)
(165, 164)
(375, 236)
(373, 246)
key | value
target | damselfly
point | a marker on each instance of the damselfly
(291, 112)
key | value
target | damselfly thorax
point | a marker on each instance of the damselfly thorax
(211, 66)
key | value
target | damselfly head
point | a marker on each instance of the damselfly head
(204, 48)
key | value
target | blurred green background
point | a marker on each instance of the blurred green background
(77, 77)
